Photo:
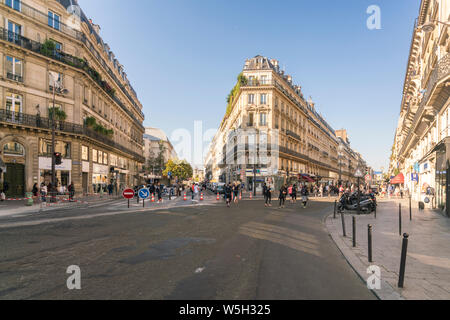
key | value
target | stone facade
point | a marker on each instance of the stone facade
(421, 150)
(42, 39)
(268, 100)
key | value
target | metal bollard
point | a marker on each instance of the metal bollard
(343, 224)
(354, 231)
(400, 219)
(335, 208)
(369, 240)
(401, 278)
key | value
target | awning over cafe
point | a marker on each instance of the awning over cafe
(399, 179)
(305, 177)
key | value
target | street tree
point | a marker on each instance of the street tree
(155, 163)
(179, 168)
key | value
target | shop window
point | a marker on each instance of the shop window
(45, 148)
(13, 149)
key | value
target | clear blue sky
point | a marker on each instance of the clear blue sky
(183, 56)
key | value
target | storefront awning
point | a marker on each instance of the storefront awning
(305, 177)
(399, 179)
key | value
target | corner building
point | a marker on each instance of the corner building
(99, 127)
(266, 99)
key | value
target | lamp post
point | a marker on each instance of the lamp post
(431, 25)
(62, 91)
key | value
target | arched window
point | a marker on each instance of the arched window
(13, 149)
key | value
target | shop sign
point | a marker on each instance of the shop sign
(415, 177)
(46, 164)
(100, 169)
(85, 166)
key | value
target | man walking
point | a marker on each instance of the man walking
(304, 194)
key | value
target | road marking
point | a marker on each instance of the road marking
(89, 216)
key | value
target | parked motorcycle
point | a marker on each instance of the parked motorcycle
(349, 202)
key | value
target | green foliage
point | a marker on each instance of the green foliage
(156, 161)
(92, 123)
(181, 169)
(241, 81)
(58, 113)
(48, 48)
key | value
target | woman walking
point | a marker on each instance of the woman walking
(236, 192)
(228, 193)
(282, 196)
(294, 194)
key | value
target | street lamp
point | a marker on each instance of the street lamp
(62, 91)
(431, 25)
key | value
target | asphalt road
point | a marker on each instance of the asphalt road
(197, 252)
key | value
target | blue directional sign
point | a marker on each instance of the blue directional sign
(144, 193)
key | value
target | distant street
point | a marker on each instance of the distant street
(196, 252)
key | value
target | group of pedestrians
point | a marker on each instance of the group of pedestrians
(232, 193)
(45, 191)
(284, 192)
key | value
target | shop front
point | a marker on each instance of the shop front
(100, 178)
(63, 172)
(434, 176)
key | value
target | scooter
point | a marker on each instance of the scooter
(350, 203)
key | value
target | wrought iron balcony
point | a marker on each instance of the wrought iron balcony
(68, 59)
(78, 35)
(35, 121)
(293, 134)
(440, 72)
(14, 77)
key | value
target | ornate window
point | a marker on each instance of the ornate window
(13, 149)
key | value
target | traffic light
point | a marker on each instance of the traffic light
(111, 169)
(58, 158)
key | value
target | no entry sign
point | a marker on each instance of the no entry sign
(128, 193)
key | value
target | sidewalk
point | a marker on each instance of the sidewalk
(427, 275)
(10, 208)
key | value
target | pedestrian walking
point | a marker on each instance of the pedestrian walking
(304, 194)
(44, 192)
(159, 193)
(228, 192)
(236, 193)
(71, 190)
(282, 196)
(294, 194)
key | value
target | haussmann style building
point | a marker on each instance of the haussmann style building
(421, 153)
(265, 99)
(54, 62)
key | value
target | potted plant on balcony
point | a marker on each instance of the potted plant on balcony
(48, 48)
(59, 115)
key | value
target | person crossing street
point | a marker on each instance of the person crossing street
(228, 191)
(304, 194)
(282, 196)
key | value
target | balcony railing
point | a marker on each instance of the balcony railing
(14, 77)
(35, 121)
(78, 35)
(293, 134)
(68, 59)
(441, 71)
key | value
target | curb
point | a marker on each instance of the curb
(386, 292)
